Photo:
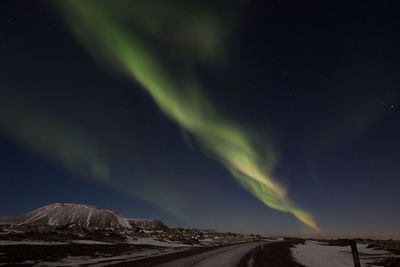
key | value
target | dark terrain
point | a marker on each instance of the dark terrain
(72, 234)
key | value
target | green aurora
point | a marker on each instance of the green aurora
(124, 35)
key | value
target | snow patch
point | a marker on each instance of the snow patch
(29, 242)
(88, 218)
(152, 242)
(90, 242)
(315, 254)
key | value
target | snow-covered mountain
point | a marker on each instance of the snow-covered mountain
(61, 214)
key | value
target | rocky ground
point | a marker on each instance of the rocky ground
(74, 232)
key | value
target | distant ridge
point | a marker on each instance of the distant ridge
(63, 214)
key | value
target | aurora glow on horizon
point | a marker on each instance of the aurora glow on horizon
(181, 97)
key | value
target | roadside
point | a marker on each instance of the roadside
(276, 253)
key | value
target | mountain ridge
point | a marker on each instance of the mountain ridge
(64, 214)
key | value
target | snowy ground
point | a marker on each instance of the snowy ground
(107, 260)
(138, 241)
(315, 254)
(152, 248)
(152, 242)
(147, 247)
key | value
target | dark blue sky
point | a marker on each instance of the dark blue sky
(320, 80)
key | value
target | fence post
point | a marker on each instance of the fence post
(354, 251)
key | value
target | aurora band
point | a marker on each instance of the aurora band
(182, 100)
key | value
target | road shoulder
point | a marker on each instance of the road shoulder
(272, 254)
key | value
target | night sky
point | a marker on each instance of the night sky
(273, 117)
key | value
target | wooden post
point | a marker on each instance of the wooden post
(262, 245)
(354, 251)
